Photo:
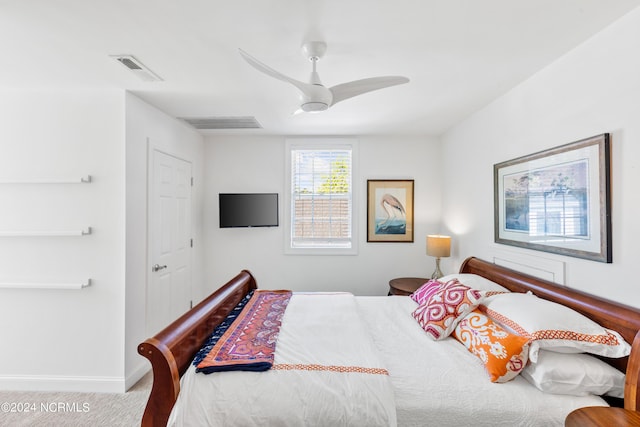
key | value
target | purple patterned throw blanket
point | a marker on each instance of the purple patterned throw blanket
(249, 343)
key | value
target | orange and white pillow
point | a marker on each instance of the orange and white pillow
(553, 326)
(503, 354)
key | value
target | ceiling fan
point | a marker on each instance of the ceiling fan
(315, 97)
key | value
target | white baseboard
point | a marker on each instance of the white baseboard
(136, 375)
(63, 383)
(74, 384)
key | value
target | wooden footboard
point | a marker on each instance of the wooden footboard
(171, 350)
(611, 315)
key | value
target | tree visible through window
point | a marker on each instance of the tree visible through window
(321, 197)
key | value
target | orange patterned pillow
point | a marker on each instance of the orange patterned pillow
(504, 354)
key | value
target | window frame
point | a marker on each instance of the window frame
(324, 143)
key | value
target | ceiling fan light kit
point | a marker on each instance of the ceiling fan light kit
(313, 107)
(314, 96)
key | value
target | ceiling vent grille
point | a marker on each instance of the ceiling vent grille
(229, 122)
(138, 68)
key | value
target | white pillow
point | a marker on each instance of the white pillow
(474, 282)
(574, 374)
(553, 326)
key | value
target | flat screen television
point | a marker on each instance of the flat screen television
(248, 210)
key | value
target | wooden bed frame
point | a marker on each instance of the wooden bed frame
(171, 351)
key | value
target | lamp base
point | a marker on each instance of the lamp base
(437, 273)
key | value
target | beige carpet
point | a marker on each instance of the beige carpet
(75, 409)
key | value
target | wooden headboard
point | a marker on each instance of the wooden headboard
(611, 315)
(171, 351)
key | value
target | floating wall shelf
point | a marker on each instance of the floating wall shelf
(82, 180)
(52, 233)
(18, 285)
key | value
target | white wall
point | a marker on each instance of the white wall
(256, 164)
(147, 127)
(62, 339)
(81, 340)
(591, 90)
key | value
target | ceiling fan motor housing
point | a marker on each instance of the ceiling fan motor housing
(318, 98)
(313, 107)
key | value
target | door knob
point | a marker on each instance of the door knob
(158, 267)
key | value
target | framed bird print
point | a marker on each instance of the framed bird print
(389, 210)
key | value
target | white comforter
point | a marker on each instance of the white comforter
(439, 383)
(327, 373)
(430, 383)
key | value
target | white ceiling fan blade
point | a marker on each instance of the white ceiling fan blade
(358, 87)
(304, 87)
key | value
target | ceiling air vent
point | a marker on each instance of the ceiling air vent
(232, 122)
(138, 68)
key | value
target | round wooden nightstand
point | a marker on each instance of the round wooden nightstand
(405, 285)
(602, 416)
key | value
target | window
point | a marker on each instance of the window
(320, 199)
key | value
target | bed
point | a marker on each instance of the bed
(171, 351)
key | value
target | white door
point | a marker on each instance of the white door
(169, 279)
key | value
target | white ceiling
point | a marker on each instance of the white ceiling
(459, 54)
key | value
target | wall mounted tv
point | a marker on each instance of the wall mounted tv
(248, 210)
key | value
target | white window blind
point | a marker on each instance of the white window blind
(321, 197)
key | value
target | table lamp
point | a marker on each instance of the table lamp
(439, 247)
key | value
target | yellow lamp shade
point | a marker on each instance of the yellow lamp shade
(438, 246)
